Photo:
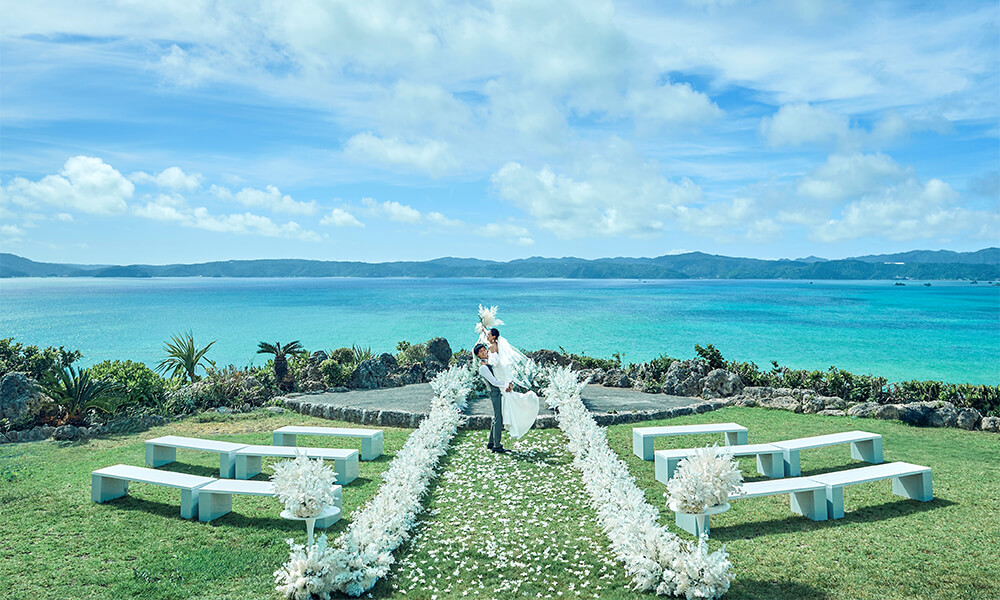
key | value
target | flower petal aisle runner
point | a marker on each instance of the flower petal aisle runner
(516, 525)
(363, 552)
(656, 559)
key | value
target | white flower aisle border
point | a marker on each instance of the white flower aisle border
(654, 558)
(363, 553)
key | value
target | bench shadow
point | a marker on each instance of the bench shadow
(772, 590)
(189, 469)
(795, 523)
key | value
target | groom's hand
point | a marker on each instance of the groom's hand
(510, 386)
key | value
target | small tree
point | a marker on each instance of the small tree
(183, 357)
(281, 354)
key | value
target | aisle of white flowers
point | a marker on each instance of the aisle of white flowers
(656, 559)
(363, 553)
(506, 526)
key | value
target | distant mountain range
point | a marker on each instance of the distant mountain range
(919, 264)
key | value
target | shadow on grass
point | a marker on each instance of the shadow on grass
(796, 523)
(750, 589)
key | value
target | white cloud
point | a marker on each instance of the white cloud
(86, 184)
(11, 233)
(393, 210)
(671, 104)
(339, 217)
(845, 177)
(504, 230)
(64, 217)
(429, 156)
(799, 124)
(172, 178)
(440, 219)
(249, 223)
(614, 194)
(269, 198)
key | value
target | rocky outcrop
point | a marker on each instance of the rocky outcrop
(617, 378)
(439, 349)
(685, 377)
(16, 389)
(370, 374)
(549, 358)
(720, 383)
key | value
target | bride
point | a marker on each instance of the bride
(519, 409)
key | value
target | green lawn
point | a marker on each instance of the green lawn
(885, 546)
(496, 521)
(58, 544)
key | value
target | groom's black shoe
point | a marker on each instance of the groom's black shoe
(489, 446)
(500, 449)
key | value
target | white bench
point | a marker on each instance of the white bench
(163, 450)
(642, 437)
(112, 482)
(864, 446)
(371, 439)
(806, 497)
(908, 481)
(770, 461)
(216, 498)
(345, 462)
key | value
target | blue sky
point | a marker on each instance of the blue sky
(195, 131)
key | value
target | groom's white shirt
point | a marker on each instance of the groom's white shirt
(484, 370)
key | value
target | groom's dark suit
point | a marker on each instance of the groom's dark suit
(497, 428)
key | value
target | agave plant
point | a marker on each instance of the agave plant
(76, 392)
(281, 354)
(361, 354)
(183, 357)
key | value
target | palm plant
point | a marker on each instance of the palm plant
(183, 357)
(281, 354)
(76, 392)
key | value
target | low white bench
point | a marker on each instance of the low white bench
(112, 482)
(770, 461)
(908, 481)
(371, 439)
(642, 437)
(345, 462)
(216, 498)
(806, 497)
(163, 450)
(864, 446)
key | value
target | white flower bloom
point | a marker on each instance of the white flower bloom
(703, 480)
(305, 486)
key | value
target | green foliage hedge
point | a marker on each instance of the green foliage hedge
(39, 364)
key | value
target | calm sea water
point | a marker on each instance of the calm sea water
(948, 331)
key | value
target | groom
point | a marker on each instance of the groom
(494, 385)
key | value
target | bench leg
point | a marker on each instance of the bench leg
(324, 523)
(227, 465)
(835, 501)
(159, 455)
(212, 506)
(189, 503)
(693, 524)
(347, 469)
(665, 468)
(810, 504)
(772, 465)
(642, 445)
(247, 466)
(867, 450)
(792, 466)
(736, 438)
(916, 487)
(371, 447)
(103, 489)
(284, 439)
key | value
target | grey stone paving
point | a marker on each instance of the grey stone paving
(417, 399)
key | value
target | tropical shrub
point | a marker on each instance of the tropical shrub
(39, 364)
(183, 357)
(138, 385)
(77, 393)
(343, 356)
(712, 355)
(333, 372)
(361, 354)
(280, 364)
(410, 353)
(589, 362)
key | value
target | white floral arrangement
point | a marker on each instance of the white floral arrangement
(363, 552)
(656, 559)
(305, 486)
(487, 319)
(703, 480)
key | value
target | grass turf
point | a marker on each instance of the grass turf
(57, 543)
(885, 546)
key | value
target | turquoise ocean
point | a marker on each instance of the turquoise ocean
(948, 331)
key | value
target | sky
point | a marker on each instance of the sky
(182, 132)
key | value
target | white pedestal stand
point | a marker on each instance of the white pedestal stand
(329, 511)
(696, 524)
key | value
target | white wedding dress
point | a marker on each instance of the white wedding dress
(519, 409)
